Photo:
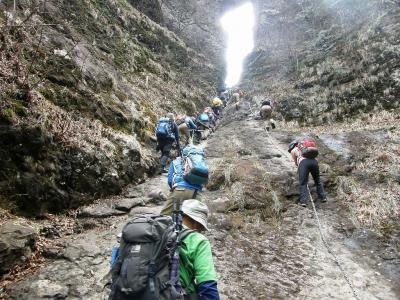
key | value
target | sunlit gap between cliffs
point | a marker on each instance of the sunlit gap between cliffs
(238, 25)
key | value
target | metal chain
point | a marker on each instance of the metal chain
(335, 258)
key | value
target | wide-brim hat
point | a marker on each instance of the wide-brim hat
(170, 116)
(196, 210)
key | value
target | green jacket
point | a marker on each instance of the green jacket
(196, 262)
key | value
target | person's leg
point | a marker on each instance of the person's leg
(303, 181)
(178, 195)
(314, 169)
(186, 134)
(165, 155)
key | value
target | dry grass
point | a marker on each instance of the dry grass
(73, 130)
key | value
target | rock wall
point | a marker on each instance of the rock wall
(82, 85)
(326, 60)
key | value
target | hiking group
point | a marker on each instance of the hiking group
(165, 256)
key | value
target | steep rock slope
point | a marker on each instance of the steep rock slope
(336, 64)
(82, 84)
(327, 60)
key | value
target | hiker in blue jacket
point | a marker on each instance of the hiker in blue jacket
(181, 190)
(185, 124)
(167, 133)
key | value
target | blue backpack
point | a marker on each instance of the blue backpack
(195, 167)
(204, 117)
(175, 172)
(165, 129)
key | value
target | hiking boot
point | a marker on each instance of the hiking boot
(303, 204)
(323, 200)
(273, 125)
(163, 171)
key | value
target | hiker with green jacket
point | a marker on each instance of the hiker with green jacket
(196, 270)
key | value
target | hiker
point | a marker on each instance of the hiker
(266, 113)
(189, 186)
(304, 153)
(217, 106)
(185, 124)
(196, 270)
(207, 119)
(236, 98)
(167, 133)
(160, 257)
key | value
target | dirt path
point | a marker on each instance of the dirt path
(265, 246)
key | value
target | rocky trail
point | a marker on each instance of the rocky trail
(265, 246)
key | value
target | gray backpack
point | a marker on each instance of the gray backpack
(142, 270)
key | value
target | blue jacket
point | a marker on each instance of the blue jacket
(189, 122)
(189, 186)
(179, 177)
(208, 290)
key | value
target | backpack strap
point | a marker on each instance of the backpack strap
(184, 233)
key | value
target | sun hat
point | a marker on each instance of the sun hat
(170, 116)
(196, 210)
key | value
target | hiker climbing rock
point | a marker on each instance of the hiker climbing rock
(217, 106)
(186, 177)
(196, 270)
(266, 114)
(185, 125)
(167, 133)
(304, 153)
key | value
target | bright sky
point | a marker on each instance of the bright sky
(239, 27)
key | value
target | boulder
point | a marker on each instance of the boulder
(126, 204)
(100, 212)
(157, 196)
(45, 289)
(220, 205)
(17, 242)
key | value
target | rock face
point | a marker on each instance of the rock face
(326, 60)
(17, 242)
(77, 116)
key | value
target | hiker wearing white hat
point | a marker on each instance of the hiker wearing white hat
(197, 273)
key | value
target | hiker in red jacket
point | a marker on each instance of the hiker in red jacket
(304, 153)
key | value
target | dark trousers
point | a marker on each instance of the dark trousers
(217, 111)
(306, 167)
(165, 146)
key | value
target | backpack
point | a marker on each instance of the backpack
(308, 148)
(175, 173)
(195, 167)
(165, 129)
(204, 117)
(143, 269)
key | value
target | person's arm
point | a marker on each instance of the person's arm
(294, 155)
(204, 271)
(191, 124)
(208, 290)
(177, 138)
(170, 174)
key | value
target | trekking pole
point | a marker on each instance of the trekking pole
(335, 258)
(174, 271)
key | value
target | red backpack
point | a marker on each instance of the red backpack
(308, 148)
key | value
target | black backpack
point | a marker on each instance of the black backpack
(142, 270)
